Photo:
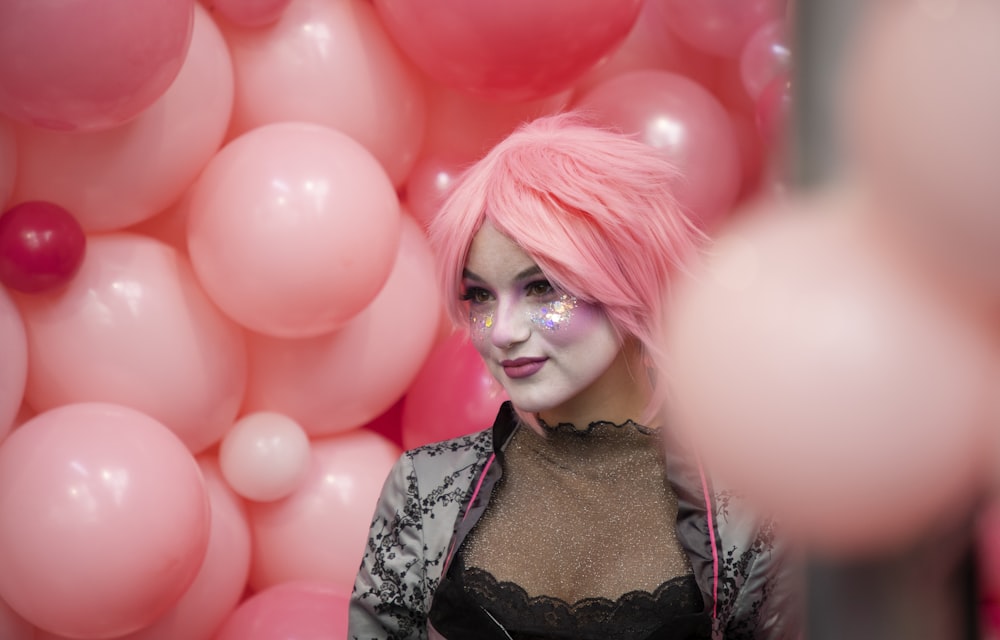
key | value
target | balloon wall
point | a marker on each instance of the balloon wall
(219, 318)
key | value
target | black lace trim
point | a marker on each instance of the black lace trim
(636, 614)
(572, 429)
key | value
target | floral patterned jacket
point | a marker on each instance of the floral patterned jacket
(435, 494)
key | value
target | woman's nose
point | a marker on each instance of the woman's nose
(510, 325)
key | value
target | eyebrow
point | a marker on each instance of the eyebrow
(527, 273)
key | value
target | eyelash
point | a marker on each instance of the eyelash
(538, 288)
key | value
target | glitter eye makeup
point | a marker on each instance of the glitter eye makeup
(480, 322)
(553, 316)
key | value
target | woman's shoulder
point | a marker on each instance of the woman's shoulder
(476, 444)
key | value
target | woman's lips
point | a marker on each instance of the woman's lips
(522, 367)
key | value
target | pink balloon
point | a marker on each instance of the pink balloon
(431, 180)
(340, 381)
(112, 179)
(453, 395)
(222, 578)
(512, 51)
(649, 46)
(310, 223)
(13, 626)
(103, 520)
(265, 456)
(41, 247)
(331, 63)
(134, 328)
(463, 126)
(825, 379)
(766, 55)
(920, 123)
(84, 65)
(682, 119)
(774, 107)
(248, 13)
(13, 364)
(718, 27)
(303, 610)
(8, 161)
(319, 532)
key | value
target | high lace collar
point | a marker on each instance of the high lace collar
(597, 427)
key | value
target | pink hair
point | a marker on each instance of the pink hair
(593, 208)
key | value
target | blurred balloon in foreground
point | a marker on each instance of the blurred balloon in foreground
(13, 626)
(134, 328)
(453, 395)
(13, 364)
(341, 380)
(921, 124)
(115, 178)
(309, 223)
(41, 247)
(512, 51)
(84, 65)
(102, 509)
(301, 609)
(829, 381)
(265, 456)
(319, 531)
(679, 117)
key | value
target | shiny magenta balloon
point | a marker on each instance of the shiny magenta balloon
(41, 247)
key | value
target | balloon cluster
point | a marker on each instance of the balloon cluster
(219, 321)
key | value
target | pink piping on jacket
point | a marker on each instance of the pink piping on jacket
(711, 539)
(472, 500)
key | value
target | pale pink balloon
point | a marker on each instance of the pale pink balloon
(265, 456)
(13, 363)
(8, 162)
(84, 65)
(299, 610)
(431, 180)
(342, 380)
(766, 55)
(221, 580)
(453, 395)
(112, 179)
(134, 328)
(920, 126)
(718, 27)
(104, 520)
(247, 13)
(679, 117)
(832, 383)
(309, 222)
(331, 63)
(463, 126)
(512, 51)
(319, 532)
(13, 626)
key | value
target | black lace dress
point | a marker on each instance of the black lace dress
(578, 541)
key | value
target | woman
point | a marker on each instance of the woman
(575, 515)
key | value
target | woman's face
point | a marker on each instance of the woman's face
(548, 349)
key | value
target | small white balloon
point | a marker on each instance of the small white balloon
(265, 456)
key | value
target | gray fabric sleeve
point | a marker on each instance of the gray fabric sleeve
(391, 595)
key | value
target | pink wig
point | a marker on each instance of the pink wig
(593, 208)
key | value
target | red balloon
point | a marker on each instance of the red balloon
(773, 108)
(767, 54)
(511, 51)
(41, 247)
(718, 27)
(453, 395)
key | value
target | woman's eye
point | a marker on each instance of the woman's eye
(539, 288)
(476, 295)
